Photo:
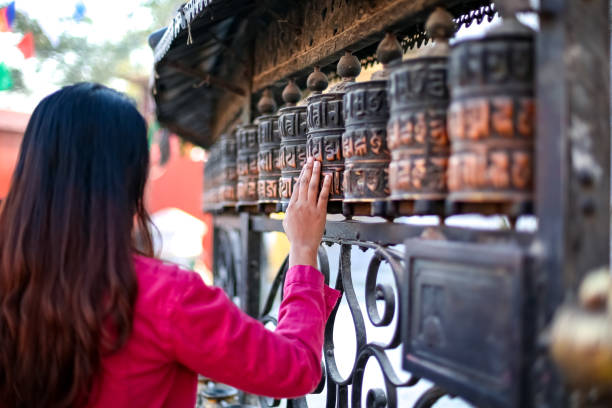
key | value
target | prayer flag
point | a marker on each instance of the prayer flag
(7, 16)
(79, 11)
(6, 79)
(26, 45)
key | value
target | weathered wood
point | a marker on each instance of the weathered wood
(318, 32)
(328, 28)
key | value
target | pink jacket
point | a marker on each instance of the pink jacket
(183, 327)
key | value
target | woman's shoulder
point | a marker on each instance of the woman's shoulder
(159, 280)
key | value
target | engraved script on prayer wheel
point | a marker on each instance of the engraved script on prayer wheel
(228, 166)
(246, 164)
(326, 126)
(268, 138)
(364, 142)
(491, 118)
(417, 136)
(212, 179)
(293, 127)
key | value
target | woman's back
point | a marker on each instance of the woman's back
(84, 321)
(183, 327)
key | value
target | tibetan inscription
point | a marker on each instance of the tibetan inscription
(268, 165)
(246, 164)
(364, 142)
(324, 141)
(416, 132)
(293, 127)
(491, 119)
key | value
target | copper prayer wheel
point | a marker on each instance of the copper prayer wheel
(212, 179)
(326, 126)
(417, 135)
(208, 187)
(228, 169)
(324, 143)
(246, 165)
(293, 127)
(364, 142)
(491, 120)
(268, 138)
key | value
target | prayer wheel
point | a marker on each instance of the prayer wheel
(268, 166)
(207, 190)
(213, 179)
(491, 120)
(326, 126)
(228, 169)
(246, 166)
(293, 128)
(364, 142)
(417, 135)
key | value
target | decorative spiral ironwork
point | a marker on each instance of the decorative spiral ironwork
(381, 303)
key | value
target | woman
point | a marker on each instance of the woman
(86, 320)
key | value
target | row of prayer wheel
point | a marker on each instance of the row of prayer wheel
(449, 131)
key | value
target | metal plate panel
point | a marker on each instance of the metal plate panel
(463, 326)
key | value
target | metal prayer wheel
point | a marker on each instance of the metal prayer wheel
(228, 169)
(207, 195)
(364, 142)
(293, 128)
(246, 165)
(326, 126)
(268, 138)
(491, 120)
(417, 135)
(213, 179)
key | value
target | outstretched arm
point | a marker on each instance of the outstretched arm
(214, 338)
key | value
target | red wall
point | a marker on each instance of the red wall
(12, 126)
(178, 184)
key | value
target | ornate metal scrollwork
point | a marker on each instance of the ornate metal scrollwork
(381, 300)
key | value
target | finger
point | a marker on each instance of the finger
(295, 194)
(313, 186)
(305, 179)
(323, 197)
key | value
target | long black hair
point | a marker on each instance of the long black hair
(67, 282)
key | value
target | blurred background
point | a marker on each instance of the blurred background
(47, 44)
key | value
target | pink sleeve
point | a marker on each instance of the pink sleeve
(213, 337)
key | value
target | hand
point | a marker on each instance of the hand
(304, 221)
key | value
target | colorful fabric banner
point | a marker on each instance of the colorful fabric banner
(26, 45)
(6, 79)
(7, 16)
(79, 12)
